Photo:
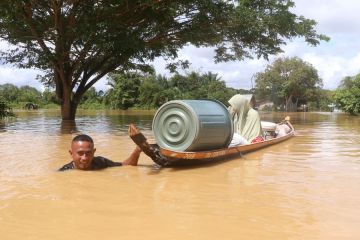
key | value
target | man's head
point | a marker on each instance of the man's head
(82, 151)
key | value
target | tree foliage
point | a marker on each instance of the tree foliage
(287, 80)
(76, 43)
(124, 90)
(5, 110)
(92, 99)
(348, 94)
(321, 101)
(19, 96)
(151, 91)
(29, 94)
(49, 97)
(9, 92)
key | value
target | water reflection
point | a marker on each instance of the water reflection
(68, 126)
(50, 123)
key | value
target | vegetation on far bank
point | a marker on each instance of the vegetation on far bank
(288, 84)
(127, 90)
(5, 110)
(143, 91)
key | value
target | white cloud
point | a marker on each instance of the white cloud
(101, 84)
(19, 77)
(333, 16)
(334, 60)
(332, 68)
(236, 74)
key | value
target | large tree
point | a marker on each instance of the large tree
(288, 81)
(77, 42)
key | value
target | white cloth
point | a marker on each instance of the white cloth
(282, 129)
(237, 139)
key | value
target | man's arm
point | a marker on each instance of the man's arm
(133, 158)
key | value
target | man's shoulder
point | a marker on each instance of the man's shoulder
(100, 162)
(97, 163)
(67, 166)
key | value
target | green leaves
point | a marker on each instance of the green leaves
(135, 89)
(5, 110)
(124, 90)
(289, 79)
(348, 95)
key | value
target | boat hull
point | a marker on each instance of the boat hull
(166, 157)
(237, 150)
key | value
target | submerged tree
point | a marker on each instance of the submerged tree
(77, 42)
(287, 80)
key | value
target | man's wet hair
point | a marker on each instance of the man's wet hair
(83, 138)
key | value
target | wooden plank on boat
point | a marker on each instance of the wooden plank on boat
(151, 150)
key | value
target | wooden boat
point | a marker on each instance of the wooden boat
(166, 157)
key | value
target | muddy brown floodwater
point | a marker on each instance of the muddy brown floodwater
(305, 188)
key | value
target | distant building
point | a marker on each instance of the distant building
(334, 108)
(266, 105)
(302, 108)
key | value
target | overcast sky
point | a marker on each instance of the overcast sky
(340, 57)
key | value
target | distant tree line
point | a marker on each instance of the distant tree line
(288, 83)
(134, 89)
(129, 90)
(19, 97)
(285, 80)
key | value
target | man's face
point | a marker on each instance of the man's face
(82, 153)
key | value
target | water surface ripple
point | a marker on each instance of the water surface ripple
(305, 188)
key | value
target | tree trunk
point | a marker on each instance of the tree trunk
(68, 110)
(288, 102)
(68, 105)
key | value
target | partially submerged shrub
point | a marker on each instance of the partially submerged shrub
(5, 110)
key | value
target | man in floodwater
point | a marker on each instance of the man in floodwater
(82, 152)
